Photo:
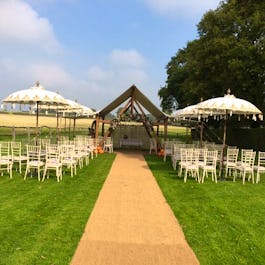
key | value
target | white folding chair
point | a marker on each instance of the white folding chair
(34, 161)
(191, 166)
(53, 162)
(175, 157)
(231, 161)
(17, 156)
(247, 166)
(167, 149)
(260, 168)
(5, 164)
(5, 150)
(209, 166)
(108, 145)
(67, 158)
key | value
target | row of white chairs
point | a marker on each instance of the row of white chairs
(233, 164)
(46, 158)
(244, 163)
(192, 161)
(54, 158)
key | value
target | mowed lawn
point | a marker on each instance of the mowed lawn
(223, 222)
(42, 222)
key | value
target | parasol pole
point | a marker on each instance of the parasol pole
(74, 124)
(201, 133)
(37, 120)
(224, 143)
(69, 125)
(57, 123)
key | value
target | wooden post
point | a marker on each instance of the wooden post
(13, 134)
(74, 125)
(103, 127)
(165, 128)
(69, 128)
(97, 127)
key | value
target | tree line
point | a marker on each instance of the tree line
(228, 53)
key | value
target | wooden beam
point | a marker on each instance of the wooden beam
(97, 127)
(139, 106)
(165, 128)
(132, 104)
(125, 108)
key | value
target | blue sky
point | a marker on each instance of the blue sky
(92, 51)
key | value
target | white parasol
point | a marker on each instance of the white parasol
(190, 112)
(36, 95)
(227, 106)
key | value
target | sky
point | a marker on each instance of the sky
(92, 51)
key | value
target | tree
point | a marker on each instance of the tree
(229, 53)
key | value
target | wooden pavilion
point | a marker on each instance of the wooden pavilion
(135, 107)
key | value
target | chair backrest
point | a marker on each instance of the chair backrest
(232, 155)
(195, 156)
(176, 150)
(33, 152)
(183, 155)
(201, 153)
(261, 159)
(167, 145)
(52, 153)
(253, 159)
(192, 155)
(108, 140)
(210, 158)
(15, 149)
(44, 142)
(5, 148)
(67, 151)
(246, 155)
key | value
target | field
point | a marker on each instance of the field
(25, 120)
(24, 125)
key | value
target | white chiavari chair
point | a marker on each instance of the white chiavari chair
(34, 160)
(17, 155)
(53, 162)
(210, 164)
(5, 163)
(260, 167)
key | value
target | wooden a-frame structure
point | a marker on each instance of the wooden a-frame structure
(136, 105)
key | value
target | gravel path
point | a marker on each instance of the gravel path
(131, 223)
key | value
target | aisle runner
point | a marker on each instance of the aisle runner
(131, 223)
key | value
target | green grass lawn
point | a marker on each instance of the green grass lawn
(42, 222)
(223, 222)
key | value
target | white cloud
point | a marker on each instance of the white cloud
(180, 8)
(20, 24)
(120, 70)
(130, 58)
(96, 73)
(132, 76)
(50, 74)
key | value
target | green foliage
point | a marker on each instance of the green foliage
(223, 222)
(247, 138)
(42, 222)
(229, 53)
